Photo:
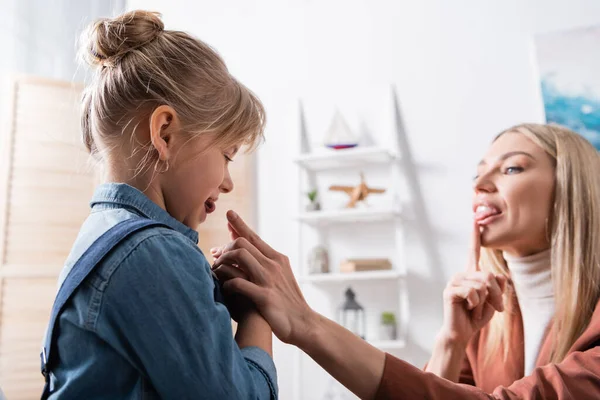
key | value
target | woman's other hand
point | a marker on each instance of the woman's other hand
(271, 284)
(471, 298)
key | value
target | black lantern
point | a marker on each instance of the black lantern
(352, 315)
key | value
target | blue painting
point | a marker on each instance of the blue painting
(569, 66)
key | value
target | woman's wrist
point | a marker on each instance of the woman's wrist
(449, 341)
(309, 330)
(327, 343)
(447, 357)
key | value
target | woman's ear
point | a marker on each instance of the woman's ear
(163, 123)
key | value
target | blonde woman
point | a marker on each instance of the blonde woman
(523, 321)
(138, 315)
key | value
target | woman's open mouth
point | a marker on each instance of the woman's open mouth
(210, 206)
(485, 215)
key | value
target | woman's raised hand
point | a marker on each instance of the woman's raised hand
(271, 284)
(471, 298)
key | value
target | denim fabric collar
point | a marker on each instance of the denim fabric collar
(121, 194)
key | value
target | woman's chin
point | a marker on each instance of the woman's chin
(491, 240)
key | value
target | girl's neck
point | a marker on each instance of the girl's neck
(147, 182)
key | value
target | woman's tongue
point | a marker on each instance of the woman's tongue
(483, 212)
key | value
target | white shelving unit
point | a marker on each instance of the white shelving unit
(328, 217)
(327, 159)
(346, 277)
(319, 223)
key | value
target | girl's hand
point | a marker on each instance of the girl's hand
(239, 307)
(471, 298)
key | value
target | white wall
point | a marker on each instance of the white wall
(464, 70)
(38, 37)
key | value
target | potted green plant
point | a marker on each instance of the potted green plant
(313, 204)
(388, 326)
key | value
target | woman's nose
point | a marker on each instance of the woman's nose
(484, 183)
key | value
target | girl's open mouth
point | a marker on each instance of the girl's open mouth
(210, 206)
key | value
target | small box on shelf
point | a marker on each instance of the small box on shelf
(365, 264)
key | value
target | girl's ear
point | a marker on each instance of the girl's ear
(163, 123)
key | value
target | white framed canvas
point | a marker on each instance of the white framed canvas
(569, 67)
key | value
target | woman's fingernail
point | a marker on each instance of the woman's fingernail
(214, 250)
(232, 215)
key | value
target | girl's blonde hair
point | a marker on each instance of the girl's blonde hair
(141, 66)
(574, 231)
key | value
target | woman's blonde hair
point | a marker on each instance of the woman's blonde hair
(141, 66)
(574, 231)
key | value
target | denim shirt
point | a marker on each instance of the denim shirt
(144, 324)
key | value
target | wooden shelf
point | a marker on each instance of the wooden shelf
(333, 159)
(328, 217)
(388, 344)
(343, 277)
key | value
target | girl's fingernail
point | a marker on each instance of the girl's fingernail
(214, 250)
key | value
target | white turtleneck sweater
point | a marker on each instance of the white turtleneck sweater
(532, 279)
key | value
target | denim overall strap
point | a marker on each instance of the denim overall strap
(82, 268)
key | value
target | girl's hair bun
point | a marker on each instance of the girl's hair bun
(108, 40)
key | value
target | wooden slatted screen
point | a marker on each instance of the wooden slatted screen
(46, 183)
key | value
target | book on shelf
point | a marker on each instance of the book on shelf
(365, 264)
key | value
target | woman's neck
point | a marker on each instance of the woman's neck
(531, 275)
(532, 279)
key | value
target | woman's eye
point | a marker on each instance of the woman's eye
(513, 170)
(229, 159)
